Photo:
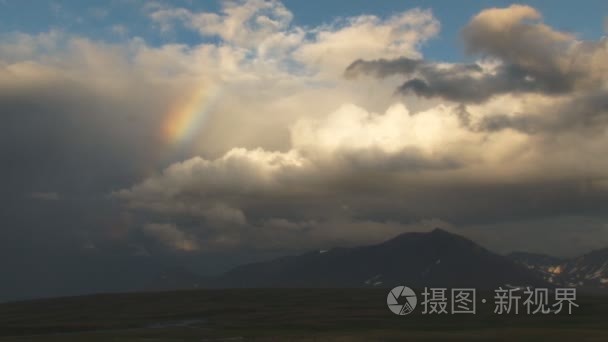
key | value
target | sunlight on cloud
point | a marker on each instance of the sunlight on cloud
(256, 129)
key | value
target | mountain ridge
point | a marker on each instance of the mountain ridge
(588, 272)
(437, 258)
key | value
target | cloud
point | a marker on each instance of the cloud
(266, 28)
(348, 141)
(244, 23)
(527, 57)
(357, 167)
(514, 34)
(171, 236)
(335, 46)
(355, 139)
(87, 117)
(467, 83)
(253, 138)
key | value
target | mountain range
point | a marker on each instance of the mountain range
(433, 259)
(588, 272)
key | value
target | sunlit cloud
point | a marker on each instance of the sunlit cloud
(337, 132)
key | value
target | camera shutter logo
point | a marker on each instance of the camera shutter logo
(401, 300)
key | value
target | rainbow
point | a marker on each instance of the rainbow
(186, 118)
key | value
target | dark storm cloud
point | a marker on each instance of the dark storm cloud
(456, 82)
(65, 143)
(533, 57)
(68, 137)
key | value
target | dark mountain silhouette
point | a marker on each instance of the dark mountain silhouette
(434, 259)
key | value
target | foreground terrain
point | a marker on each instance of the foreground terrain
(279, 314)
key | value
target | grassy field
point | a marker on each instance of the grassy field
(280, 315)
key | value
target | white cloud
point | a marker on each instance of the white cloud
(348, 143)
(243, 23)
(265, 28)
(353, 128)
(335, 46)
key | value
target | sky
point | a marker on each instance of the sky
(207, 134)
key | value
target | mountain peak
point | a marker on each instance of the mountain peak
(439, 231)
(432, 258)
(435, 234)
